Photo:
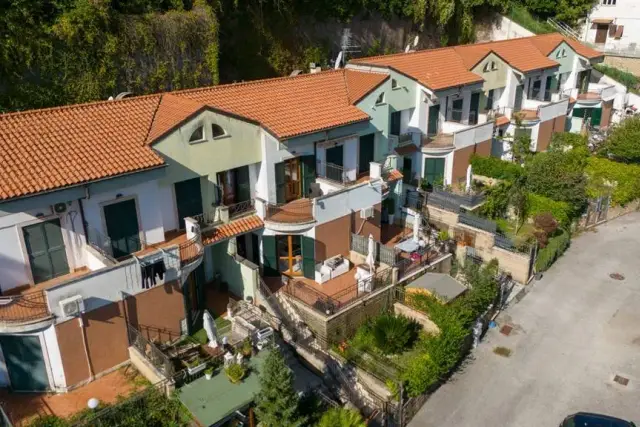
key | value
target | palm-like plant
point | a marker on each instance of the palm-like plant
(394, 334)
(341, 417)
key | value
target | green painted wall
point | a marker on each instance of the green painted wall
(494, 79)
(238, 275)
(566, 63)
(241, 146)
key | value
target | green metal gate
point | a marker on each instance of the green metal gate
(46, 251)
(25, 363)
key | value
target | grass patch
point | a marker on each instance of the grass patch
(201, 335)
(631, 81)
(520, 15)
(502, 351)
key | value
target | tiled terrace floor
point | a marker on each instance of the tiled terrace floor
(171, 238)
(526, 115)
(22, 408)
(391, 235)
(297, 211)
(47, 284)
(589, 96)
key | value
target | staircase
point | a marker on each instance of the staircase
(341, 378)
(565, 30)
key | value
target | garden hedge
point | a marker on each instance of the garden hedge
(626, 178)
(495, 168)
(538, 204)
(554, 249)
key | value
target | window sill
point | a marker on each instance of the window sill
(226, 135)
(199, 141)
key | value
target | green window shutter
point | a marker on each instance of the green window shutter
(46, 251)
(596, 116)
(394, 128)
(434, 170)
(269, 256)
(578, 112)
(517, 103)
(434, 114)
(243, 186)
(122, 227)
(308, 257)
(474, 108)
(308, 173)
(366, 151)
(280, 182)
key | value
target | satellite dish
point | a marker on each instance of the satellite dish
(415, 41)
(123, 95)
(338, 60)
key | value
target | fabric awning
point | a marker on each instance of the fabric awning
(602, 21)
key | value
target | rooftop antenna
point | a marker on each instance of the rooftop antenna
(346, 47)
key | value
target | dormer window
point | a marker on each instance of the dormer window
(380, 99)
(487, 67)
(217, 131)
(494, 66)
(197, 135)
(564, 53)
(394, 84)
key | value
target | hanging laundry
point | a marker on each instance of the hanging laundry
(152, 272)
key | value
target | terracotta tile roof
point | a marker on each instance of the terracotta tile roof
(406, 149)
(360, 84)
(234, 228)
(42, 150)
(171, 111)
(546, 43)
(502, 120)
(520, 54)
(292, 106)
(437, 69)
(394, 175)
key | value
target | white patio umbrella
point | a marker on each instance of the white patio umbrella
(210, 328)
(469, 178)
(417, 219)
(371, 249)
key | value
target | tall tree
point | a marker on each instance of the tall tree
(277, 404)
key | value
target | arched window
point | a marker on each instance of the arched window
(494, 66)
(197, 135)
(217, 131)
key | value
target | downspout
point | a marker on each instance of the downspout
(84, 222)
(86, 347)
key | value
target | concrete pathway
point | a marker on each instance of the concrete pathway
(575, 330)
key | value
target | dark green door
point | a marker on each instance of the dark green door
(122, 227)
(335, 161)
(308, 257)
(517, 104)
(308, 173)
(365, 155)
(433, 170)
(550, 87)
(434, 114)
(394, 127)
(45, 249)
(596, 116)
(270, 256)
(243, 187)
(281, 183)
(25, 363)
(188, 199)
(474, 108)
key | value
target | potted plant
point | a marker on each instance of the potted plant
(247, 347)
(235, 372)
(391, 209)
(443, 239)
(208, 373)
(195, 365)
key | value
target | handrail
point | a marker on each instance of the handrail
(241, 208)
(150, 351)
(336, 173)
(191, 250)
(29, 307)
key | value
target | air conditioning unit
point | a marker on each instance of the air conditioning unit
(60, 208)
(73, 306)
(366, 213)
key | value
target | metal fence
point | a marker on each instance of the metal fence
(24, 308)
(466, 199)
(477, 222)
(382, 253)
(149, 350)
(241, 208)
(443, 201)
(336, 173)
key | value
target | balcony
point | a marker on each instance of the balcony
(336, 174)
(456, 135)
(22, 313)
(595, 93)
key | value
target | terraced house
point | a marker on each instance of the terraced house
(138, 214)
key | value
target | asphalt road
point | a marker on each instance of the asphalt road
(573, 332)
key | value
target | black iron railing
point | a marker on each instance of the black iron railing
(477, 222)
(29, 307)
(241, 208)
(150, 351)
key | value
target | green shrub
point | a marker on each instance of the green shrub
(497, 200)
(521, 15)
(554, 249)
(625, 177)
(624, 77)
(538, 204)
(394, 334)
(622, 145)
(342, 417)
(48, 421)
(495, 168)
(235, 372)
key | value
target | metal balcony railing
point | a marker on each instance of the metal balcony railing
(26, 308)
(241, 208)
(335, 173)
(469, 199)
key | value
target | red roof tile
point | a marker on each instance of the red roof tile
(437, 69)
(394, 175)
(234, 228)
(172, 111)
(292, 106)
(42, 150)
(502, 120)
(520, 54)
(546, 43)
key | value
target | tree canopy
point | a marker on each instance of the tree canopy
(622, 145)
(342, 417)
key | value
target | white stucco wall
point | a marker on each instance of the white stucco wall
(150, 203)
(624, 12)
(503, 29)
(14, 261)
(338, 204)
